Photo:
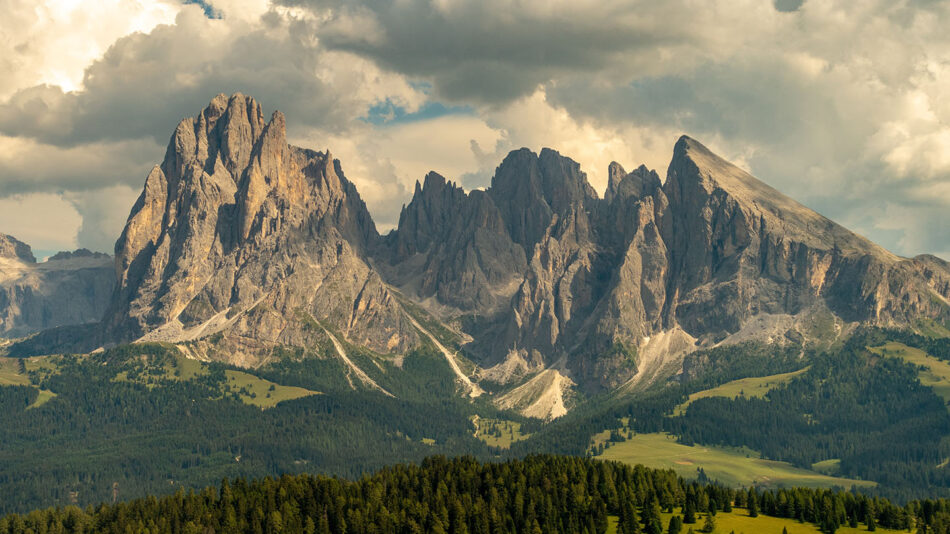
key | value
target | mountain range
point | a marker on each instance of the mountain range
(243, 248)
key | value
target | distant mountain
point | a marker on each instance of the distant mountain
(242, 245)
(69, 288)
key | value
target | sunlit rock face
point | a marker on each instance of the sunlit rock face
(240, 236)
(239, 233)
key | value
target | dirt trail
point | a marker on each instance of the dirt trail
(364, 378)
(473, 389)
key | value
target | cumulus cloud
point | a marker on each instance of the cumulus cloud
(496, 51)
(842, 105)
(104, 136)
(39, 220)
(53, 42)
(145, 83)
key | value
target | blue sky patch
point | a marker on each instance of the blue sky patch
(388, 113)
(205, 6)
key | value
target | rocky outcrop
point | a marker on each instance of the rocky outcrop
(706, 256)
(739, 248)
(453, 248)
(240, 234)
(69, 288)
(14, 249)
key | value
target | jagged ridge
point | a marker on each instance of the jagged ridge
(242, 238)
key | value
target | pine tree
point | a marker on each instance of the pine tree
(676, 525)
(753, 503)
(629, 519)
(651, 516)
(710, 524)
(689, 512)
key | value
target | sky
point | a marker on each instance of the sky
(843, 105)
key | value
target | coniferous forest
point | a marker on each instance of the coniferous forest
(122, 426)
(540, 494)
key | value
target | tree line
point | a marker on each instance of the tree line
(539, 494)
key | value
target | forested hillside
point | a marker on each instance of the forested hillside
(142, 420)
(540, 494)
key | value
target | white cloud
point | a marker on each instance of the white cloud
(45, 221)
(96, 141)
(843, 105)
(52, 42)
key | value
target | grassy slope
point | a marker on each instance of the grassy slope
(729, 466)
(934, 373)
(510, 432)
(756, 386)
(11, 376)
(250, 389)
(931, 328)
(259, 391)
(738, 521)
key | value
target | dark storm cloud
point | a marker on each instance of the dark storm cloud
(492, 51)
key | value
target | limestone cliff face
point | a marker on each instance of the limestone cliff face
(240, 233)
(454, 247)
(739, 248)
(610, 285)
(69, 288)
(240, 237)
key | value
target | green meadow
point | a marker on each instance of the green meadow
(739, 522)
(499, 433)
(932, 372)
(756, 386)
(733, 467)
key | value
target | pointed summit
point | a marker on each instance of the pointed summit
(13, 248)
(696, 173)
(615, 174)
(734, 239)
(235, 220)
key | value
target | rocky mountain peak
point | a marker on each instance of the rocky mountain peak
(241, 234)
(529, 189)
(698, 176)
(640, 183)
(615, 174)
(13, 248)
(68, 289)
(219, 224)
(77, 254)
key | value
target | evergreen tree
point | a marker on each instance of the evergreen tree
(710, 524)
(753, 503)
(689, 512)
(676, 525)
(651, 516)
(629, 522)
